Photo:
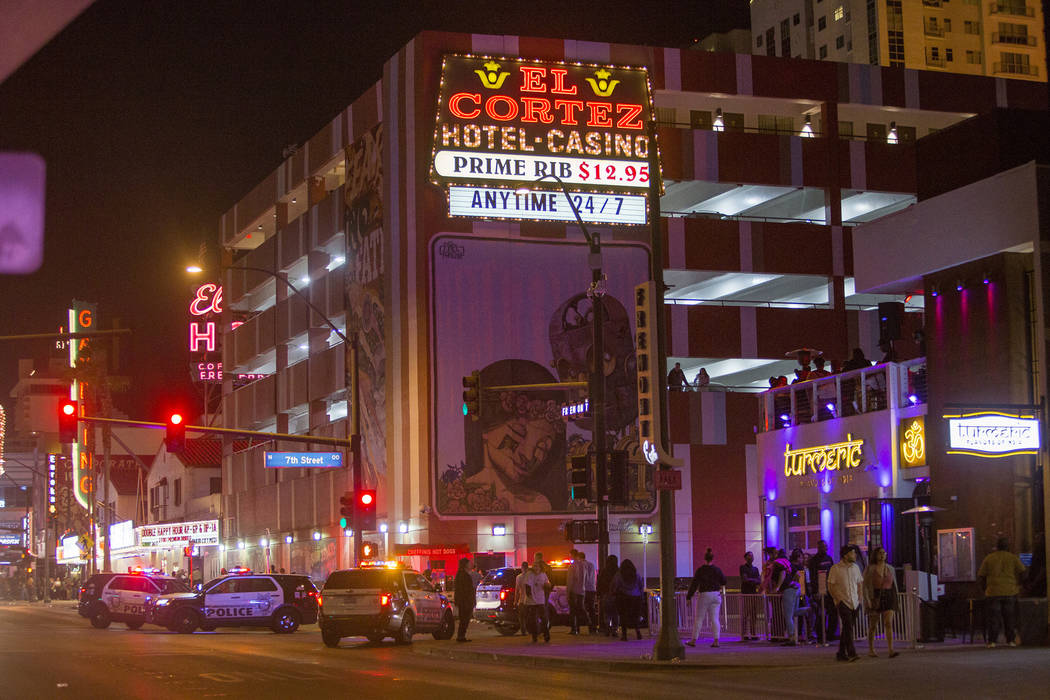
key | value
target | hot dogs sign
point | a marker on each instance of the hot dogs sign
(507, 124)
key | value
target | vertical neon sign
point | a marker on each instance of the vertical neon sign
(81, 318)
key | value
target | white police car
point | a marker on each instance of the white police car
(281, 602)
(109, 597)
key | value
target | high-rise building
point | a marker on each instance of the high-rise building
(1002, 38)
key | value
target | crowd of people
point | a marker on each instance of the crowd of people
(28, 588)
(677, 381)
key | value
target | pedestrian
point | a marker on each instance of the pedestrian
(538, 564)
(676, 380)
(574, 586)
(465, 598)
(708, 580)
(589, 592)
(750, 580)
(845, 583)
(520, 599)
(782, 584)
(703, 379)
(475, 575)
(536, 584)
(627, 587)
(606, 598)
(1000, 576)
(819, 565)
(880, 598)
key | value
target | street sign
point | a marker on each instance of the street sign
(668, 480)
(303, 460)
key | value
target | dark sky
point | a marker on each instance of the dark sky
(155, 117)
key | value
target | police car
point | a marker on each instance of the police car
(382, 599)
(281, 602)
(110, 597)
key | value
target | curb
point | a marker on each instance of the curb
(564, 662)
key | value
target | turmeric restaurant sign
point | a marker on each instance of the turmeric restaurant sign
(505, 123)
(992, 434)
(814, 460)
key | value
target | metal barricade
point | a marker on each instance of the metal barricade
(762, 616)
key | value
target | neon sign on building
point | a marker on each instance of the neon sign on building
(839, 455)
(506, 122)
(992, 434)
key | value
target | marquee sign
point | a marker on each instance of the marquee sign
(839, 455)
(992, 434)
(199, 532)
(912, 432)
(503, 123)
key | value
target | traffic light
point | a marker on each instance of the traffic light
(619, 491)
(175, 438)
(346, 509)
(367, 550)
(472, 395)
(68, 417)
(366, 510)
(580, 478)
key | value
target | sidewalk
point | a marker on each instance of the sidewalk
(602, 653)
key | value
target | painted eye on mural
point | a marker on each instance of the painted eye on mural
(508, 443)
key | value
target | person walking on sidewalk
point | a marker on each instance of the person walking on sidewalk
(1000, 576)
(820, 564)
(627, 587)
(708, 580)
(538, 564)
(536, 584)
(521, 600)
(880, 598)
(750, 580)
(465, 598)
(606, 598)
(589, 589)
(844, 585)
(574, 585)
(785, 584)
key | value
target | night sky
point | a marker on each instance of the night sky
(155, 118)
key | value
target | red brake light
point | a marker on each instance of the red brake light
(384, 600)
(320, 598)
(503, 594)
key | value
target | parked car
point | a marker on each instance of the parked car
(110, 597)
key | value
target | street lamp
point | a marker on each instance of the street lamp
(597, 389)
(350, 378)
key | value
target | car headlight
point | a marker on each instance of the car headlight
(162, 601)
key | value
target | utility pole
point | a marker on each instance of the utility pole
(596, 292)
(668, 644)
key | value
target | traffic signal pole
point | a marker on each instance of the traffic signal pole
(596, 292)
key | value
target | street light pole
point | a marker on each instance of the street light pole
(668, 645)
(595, 293)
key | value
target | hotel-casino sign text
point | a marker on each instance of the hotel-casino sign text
(502, 122)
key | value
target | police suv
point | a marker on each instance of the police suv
(105, 598)
(281, 602)
(382, 599)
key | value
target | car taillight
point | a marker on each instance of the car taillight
(384, 600)
(320, 598)
(503, 594)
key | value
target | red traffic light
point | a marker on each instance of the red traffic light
(175, 436)
(176, 418)
(68, 421)
(367, 498)
(69, 408)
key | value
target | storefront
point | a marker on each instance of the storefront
(845, 479)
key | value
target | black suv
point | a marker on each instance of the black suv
(495, 596)
(281, 602)
(105, 598)
(382, 601)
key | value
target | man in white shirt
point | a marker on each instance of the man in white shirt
(844, 586)
(589, 593)
(574, 584)
(520, 600)
(535, 583)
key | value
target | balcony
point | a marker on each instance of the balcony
(1014, 39)
(878, 388)
(1016, 69)
(1005, 8)
(933, 29)
(935, 61)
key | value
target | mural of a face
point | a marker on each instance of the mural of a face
(518, 448)
(571, 338)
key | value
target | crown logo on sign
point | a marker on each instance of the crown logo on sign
(492, 77)
(603, 87)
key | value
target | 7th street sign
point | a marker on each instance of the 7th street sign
(304, 460)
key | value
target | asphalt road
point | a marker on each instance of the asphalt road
(53, 653)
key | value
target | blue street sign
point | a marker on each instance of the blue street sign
(303, 460)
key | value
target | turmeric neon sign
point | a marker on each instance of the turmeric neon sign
(839, 455)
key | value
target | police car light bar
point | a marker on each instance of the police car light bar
(240, 570)
(139, 571)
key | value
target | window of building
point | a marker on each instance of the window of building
(803, 528)
(665, 116)
(1013, 63)
(771, 48)
(876, 132)
(1012, 34)
(855, 521)
(838, 13)
(948, 54)
(785, 38)
(947, 24)
(700, 119)
(178, 492)
(215, 485)
(823, 51)
(822, 23)
(935, 53)
(976, 57)
(772, 123)
(840, 41)
(796, 19)
(971, 27)
(732, 121)
(906, 133)
(846, 130)
(758, 41)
